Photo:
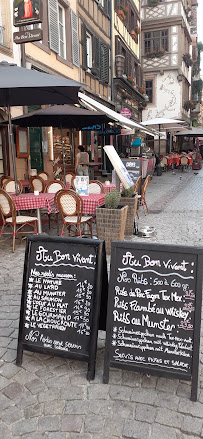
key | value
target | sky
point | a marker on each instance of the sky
(200, 27)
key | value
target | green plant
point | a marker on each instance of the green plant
(112, 200)
(189, 105)
(128, 193)
(155, 53)
(124, 9)
(188, 59)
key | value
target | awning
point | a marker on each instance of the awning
(122, 120)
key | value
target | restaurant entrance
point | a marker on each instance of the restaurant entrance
(36, 156)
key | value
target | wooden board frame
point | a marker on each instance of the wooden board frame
(193, 377)
(19, 152)
(100, 273)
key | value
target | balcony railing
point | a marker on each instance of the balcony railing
(2, 29)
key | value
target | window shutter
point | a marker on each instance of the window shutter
(97, 56)
(75, 39)
(108, 7)
(104, 61)
(53, 25)
(84, 46)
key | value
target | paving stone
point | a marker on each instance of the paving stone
(12, 390)
(56, 435)
(113, 427)
(71, 423)
(76, 407)
(167, 385)
(161, 432)
(102, 408)
(136, 430)
(36, 386)
(24, 426)
(192, 425)
(9, 370)
(149, 381)
(49, 395)
(98, 392)
(126, 410)
(5, 432)
(169, 418)
(93, 424)
(33, 411)
(72, 392)
(49, 423)
(188, 407)
(145, 413)
(168, 401)
(132, 379)
(54, 407)
(143, 395)
(11, 414)
(120, 392)
(4, 402)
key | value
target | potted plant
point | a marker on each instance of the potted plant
(111, 219)
(159, 169)
(188, 59)
(121, 14)
(155, 53)
(189, 105)
(124, 9)
(130, 199)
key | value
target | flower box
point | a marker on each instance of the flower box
(155, 53)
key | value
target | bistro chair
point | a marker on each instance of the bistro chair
(95, 187)
(52, 188)
(9, 186)
(37, 184)
(184, 163)
(16, 222)
(3, 179)
(44, 175)
(164, 163)
(137, 184)
(68, 178)
(142, 199)
(73, 182)
(70, 206)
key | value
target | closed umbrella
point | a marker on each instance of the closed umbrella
(162, 124)
(20, 87)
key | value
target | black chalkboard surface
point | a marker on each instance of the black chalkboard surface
(154, 310)
(61, 295)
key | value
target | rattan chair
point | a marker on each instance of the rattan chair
(137, 184)
(37, 184)
(95, 187)
(3, 179)
(9, 186)
(16, 222)
(44, 175)
(73, 182)
(68, 178)
(184, 163)
(164, 163)
(52, 188)
(142, 199)
(70, 206)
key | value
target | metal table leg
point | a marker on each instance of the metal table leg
(39, 223)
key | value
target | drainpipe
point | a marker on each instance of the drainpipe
(111, 42)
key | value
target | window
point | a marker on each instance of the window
(156, 40)
(95, 55)
(89, 50)
(149, 90)
(62, 35)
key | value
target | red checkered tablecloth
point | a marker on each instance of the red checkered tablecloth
(91, 202)
(31, 201)
(110, 187)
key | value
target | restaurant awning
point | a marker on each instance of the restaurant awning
(122, 120)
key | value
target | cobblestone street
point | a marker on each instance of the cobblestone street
(49, 397)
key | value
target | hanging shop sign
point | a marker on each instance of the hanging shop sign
(27, 12)
(126, 112)
(108, 132)
(27, 36)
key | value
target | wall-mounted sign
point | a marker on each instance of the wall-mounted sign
(126, 112)
(92, 128)
(27, 12)
(111, 131)
(27, 36)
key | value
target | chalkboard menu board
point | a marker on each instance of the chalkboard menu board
(133, 167)
(61, 297)
(154, 310)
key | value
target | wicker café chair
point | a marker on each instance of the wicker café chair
(184, 163)
(95, 187)
(142, 200)
(44, 175)
(70, 206)
(37, 184)
(73, 182)
(68, 178)
(9, 186)
(3, 179)
(137, 184)
(16, 222)
(52, 188)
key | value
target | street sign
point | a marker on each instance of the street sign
(27, 36)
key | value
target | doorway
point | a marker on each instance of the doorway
(36, 156)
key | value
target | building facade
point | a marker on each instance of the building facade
(167, 59)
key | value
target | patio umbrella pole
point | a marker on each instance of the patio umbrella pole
(159, 140)
(11, 148)
(64, 170)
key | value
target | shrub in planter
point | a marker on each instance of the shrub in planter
(111, 220)
(129, 198)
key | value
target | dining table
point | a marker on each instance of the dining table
(30, 201)
(91, 202)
